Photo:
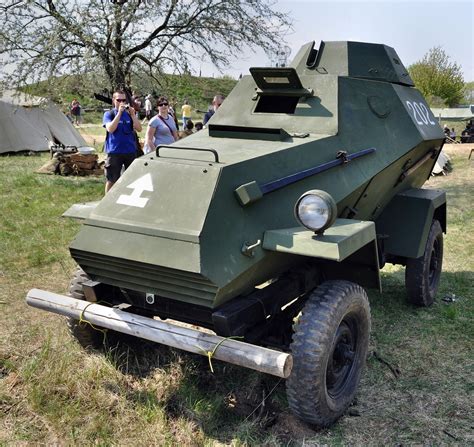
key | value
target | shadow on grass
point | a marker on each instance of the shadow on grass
(394, 300)
(238, 404)
(229, 404)
(135, 356)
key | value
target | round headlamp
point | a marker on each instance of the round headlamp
(316, 210)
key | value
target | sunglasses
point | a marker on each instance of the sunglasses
(163, 104)
(120, 99)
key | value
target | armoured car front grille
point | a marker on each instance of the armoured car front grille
(169, 283)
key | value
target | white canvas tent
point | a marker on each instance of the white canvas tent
(458, 114)
(29, 123)
(442, 165)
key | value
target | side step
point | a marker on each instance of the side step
(265, 360)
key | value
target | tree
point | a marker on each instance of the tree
(436, 77)
(469, 93)
(118, 39)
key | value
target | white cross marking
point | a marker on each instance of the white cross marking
(142, 184)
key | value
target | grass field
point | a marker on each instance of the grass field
(54, 393)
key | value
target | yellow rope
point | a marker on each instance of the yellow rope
(210, 354)
(83, 320)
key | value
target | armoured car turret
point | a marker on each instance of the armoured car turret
(267, 224)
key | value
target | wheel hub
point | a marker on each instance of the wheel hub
(434, 263)
(341, 359)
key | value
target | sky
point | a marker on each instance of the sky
(412, 28)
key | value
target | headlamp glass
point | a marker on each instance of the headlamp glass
(316, 210)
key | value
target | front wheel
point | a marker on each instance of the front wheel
(422, 274)
(87, 335)
(330, 343)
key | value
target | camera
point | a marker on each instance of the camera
(127, 107)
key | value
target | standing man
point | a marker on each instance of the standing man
(148, 107)
(216, 103)
(120, 142)
(185, 113)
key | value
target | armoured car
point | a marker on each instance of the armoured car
(267, 226)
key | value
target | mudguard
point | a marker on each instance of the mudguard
(338, 242)
(346, 250)
(406, 221)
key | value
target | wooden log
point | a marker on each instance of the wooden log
(85, 165)
(82, 163)
(79, 156)
(228, 350)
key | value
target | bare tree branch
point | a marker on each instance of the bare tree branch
(42, 37)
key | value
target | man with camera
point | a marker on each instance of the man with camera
(121, 122)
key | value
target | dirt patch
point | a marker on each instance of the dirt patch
(462, 150)
(289, 428)
(93, 140)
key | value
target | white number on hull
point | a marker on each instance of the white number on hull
(420, 113)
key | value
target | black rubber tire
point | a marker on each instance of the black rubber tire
(84, 333)
(329, 348)
(422, 274)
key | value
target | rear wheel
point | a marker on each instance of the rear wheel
(422, 274)
(329, 348)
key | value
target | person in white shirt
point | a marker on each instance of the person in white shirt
(148, 107)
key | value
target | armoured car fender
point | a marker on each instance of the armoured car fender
(405, 222)
(346, 250)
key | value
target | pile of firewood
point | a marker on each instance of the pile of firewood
(73, 164)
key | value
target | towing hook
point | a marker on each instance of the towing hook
(248, 249)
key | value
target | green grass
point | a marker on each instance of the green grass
(53, 392)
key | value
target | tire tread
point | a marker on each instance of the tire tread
(87, 336)
(417, 271)
(310, 340)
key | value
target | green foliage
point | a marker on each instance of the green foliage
(63, 89)
(199, 91)
(438, 79)
(469, 93)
